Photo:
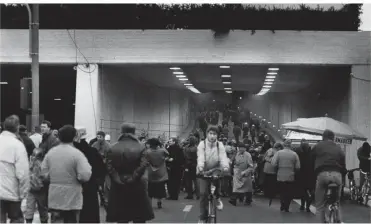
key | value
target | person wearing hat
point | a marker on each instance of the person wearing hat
(90, 209)
(287, 163)
(127, 165)
(243, 168)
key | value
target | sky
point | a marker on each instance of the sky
(366, 17)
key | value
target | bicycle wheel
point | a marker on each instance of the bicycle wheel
(212, 212)
(353, 191)
(332, 216)
(365, 190)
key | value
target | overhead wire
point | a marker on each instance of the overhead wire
(88, 72)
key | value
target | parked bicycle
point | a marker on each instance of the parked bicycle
(365, 189)
(213, 175)
(352, 185)
(332, 204)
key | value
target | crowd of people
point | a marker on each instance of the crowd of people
(59, 172)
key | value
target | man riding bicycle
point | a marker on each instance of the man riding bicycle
(329, 167)
(211, 154)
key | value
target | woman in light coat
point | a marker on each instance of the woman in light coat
(242, 176)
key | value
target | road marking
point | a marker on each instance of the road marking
(311, 208)
(187, 208)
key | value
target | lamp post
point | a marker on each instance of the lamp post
(33, 17)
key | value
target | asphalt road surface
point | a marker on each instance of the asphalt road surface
(187, 211)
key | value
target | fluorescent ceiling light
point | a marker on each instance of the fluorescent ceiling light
(178, 73)
(270, 77)
(227, 88)
(175, 68)
(240, 97)
(224, 66)
(269, 80)
(57, 99)
(183, 79)
(226, 76)
(22, 87)
(228, 91)
(267, 86)
(273, 69)
(30, 92)
(227, 83)
(181, 76)
(268, 83)
(193, 89)
(272, 73)
(3, 83)
(188, 84)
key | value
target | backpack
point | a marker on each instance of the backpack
(36, 182)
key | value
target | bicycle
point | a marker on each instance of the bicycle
(212, 202)
(365, 189)
(352, 185)
(332, 214)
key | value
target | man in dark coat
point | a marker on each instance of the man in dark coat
(28, 143)
(175, 164)
(126, 164)
(90, 209)
(305, 179)
(48, 140)
(237, 132)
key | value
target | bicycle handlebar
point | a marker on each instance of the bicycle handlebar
(208, 174)
(366, 173)
(352, 170)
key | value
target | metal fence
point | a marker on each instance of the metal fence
(153, 129)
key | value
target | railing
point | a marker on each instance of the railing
(153, 129)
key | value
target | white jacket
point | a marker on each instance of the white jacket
(212, 158)
(14, 168)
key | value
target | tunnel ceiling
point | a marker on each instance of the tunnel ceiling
(206, 77)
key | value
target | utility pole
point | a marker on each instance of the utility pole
(34, 24)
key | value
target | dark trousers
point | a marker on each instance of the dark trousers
(270, 185)
(190, 180)
(11, 210)
(69, 216)
(173, 184)
(204, 194)
(247, 195)
(307, 198)
(286, 189)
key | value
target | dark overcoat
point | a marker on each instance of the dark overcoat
(90, 208)
(128, 197)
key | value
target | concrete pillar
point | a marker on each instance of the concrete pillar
(360, 100)
(359, 109)
(87, 106)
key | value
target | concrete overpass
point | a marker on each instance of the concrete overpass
(129, 78)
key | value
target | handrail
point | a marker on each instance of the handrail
(141, 122)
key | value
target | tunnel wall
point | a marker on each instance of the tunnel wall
(121, 99)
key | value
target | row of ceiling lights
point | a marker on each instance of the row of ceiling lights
(178, 72)
(269, 80)
(226, 79)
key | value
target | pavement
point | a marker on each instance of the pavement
(187, 211)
